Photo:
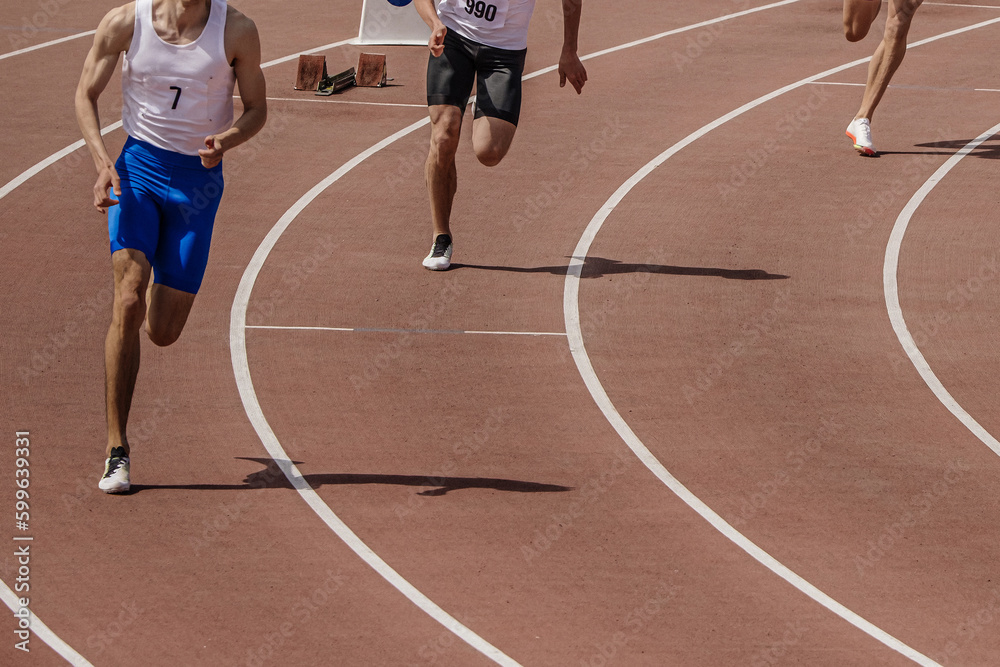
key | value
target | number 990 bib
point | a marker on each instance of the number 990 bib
(481, 14)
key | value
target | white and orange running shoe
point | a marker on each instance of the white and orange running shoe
(860, 132)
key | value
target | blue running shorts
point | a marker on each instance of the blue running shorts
(166, 211)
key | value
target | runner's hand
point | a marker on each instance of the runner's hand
(107, 180)
(211, 155)
(436, 42)
(571, 69)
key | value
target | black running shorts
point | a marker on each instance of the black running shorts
(496, 72)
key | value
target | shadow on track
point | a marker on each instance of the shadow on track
(272, 478)
(597, 267)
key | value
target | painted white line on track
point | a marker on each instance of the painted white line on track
(29, 49)
(241, 367)
(404, 331)
(49, 161)
(55, 157)
(328, 101)
(42, 631)
(890, 286)
(571, 310)
(244, 382)
(949, 4)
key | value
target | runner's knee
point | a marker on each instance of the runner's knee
(129, 309)
(854, 32)
(444, 138)
(163, 335)
(491, 154)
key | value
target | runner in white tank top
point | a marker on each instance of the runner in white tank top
(182, 58)
(175, 95)
(481, 42)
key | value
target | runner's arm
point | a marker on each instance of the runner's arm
(570, 67)
(114, 35)
(243, 42)
(429, 14)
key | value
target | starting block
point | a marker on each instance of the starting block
(371, 70)
(312, 70)
(312, 74)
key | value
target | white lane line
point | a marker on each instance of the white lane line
(329, 101)
(404, 331)
(890, 270)
(244, 382)
(571, 310)
(49, 161)
(43, 632)
(47, 44)
(949, 4)
(55, 157)
(248, 394)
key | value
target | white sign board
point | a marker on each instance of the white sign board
(392, 22)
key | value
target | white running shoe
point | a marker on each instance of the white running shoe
(439, 257)
(860, 132)
(116, 472)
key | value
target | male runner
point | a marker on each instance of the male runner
(483, 41)
(182, 59)
(858, 18)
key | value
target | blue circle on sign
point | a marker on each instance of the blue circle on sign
(400, 3)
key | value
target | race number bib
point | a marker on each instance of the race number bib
(488, 14)
(175, 98)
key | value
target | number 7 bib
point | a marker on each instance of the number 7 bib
(480, 14)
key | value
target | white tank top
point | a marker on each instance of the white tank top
(502, 24)
(173, 96)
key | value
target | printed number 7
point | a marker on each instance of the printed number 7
(177, 97)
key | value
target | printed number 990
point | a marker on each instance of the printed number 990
(480, 9)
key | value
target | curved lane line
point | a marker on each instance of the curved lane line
(244, 381)
(890, 271)
(571, 310)
(28, 49)
(42, 631)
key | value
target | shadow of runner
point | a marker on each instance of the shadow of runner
(272, 478)
(597, 267)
